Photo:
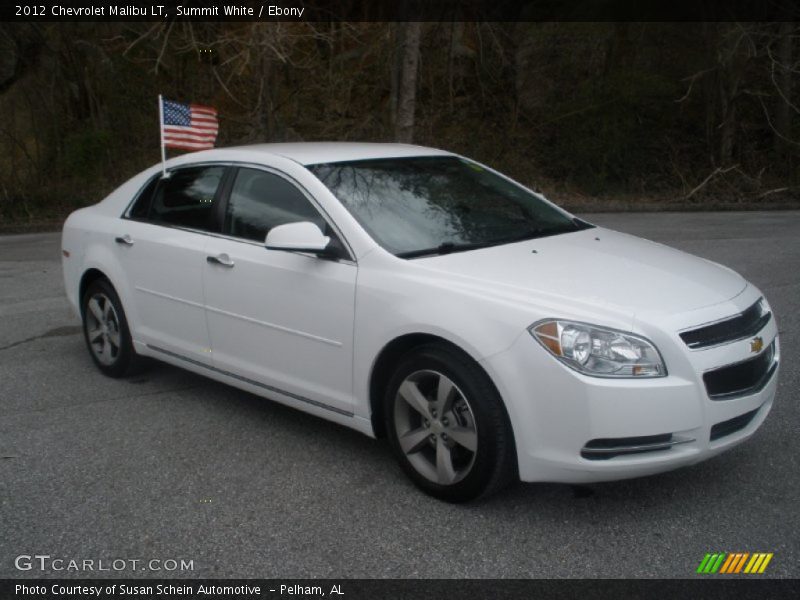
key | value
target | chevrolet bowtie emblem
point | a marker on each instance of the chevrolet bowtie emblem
(756, 344)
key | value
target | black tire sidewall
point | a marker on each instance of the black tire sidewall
(490, 420)
(122, 364)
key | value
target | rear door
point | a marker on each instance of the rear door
(282, 319)
(163, 249)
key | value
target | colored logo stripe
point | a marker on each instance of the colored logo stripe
(758, 563)
(711, 563)
(734, 562)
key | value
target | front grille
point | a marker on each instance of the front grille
(605, 448)
(738, 327)
(742, 378)
(733, 425)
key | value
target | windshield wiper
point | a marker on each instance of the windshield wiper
(448, 247)
(443, 248)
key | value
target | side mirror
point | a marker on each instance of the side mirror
(298, 237)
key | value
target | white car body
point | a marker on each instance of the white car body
(308, 332)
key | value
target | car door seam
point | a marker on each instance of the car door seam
(169, 297)
(297, 332)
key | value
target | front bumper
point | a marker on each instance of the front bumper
(560, 416)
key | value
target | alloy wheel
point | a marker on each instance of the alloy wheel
(435, 427)
(102, 329)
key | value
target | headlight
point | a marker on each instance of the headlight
(599, 351)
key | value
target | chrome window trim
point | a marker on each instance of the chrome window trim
(350, 259)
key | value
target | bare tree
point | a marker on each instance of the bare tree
(782, 79)
(407, 88)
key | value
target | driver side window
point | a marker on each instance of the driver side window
(260, 201)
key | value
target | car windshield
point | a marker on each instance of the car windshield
(426, 205)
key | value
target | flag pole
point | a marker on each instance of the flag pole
(161, 130)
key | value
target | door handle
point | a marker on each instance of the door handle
(222, 260)
(124, 240)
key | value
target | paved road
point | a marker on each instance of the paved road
(171, 465)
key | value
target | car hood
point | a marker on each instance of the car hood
(596, 267)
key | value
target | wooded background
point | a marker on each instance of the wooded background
(596, 115)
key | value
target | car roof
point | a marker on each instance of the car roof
(309, 153)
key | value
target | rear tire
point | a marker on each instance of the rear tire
(447, 425)
(106, 332)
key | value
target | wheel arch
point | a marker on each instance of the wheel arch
(89, 276)
(389, 356)
(94, 273)
(101, 262)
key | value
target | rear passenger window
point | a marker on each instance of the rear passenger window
(141, 208)
(186, 198)
(260, 201)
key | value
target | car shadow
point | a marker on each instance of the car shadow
(370, 461)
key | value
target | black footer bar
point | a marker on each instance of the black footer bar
(706, 587)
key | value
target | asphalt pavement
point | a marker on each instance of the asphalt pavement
(168, 465)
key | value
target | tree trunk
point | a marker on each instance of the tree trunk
(455, 57)
(732, 64)
(619, 48)
(783, 79)
(397, 35)
(407, 89)
(264, 119)
(727, 131)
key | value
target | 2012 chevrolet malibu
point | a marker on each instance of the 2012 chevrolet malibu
(415, 294)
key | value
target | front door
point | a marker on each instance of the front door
(282, 319)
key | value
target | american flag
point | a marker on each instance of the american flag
(188, 126)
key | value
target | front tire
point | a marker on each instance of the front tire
(106, 332)
(447, 425)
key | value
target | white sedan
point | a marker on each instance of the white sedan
(415, 294)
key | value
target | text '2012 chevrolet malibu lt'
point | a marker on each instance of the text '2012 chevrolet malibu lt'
(415, 294)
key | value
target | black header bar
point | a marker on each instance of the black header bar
(401, 10)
